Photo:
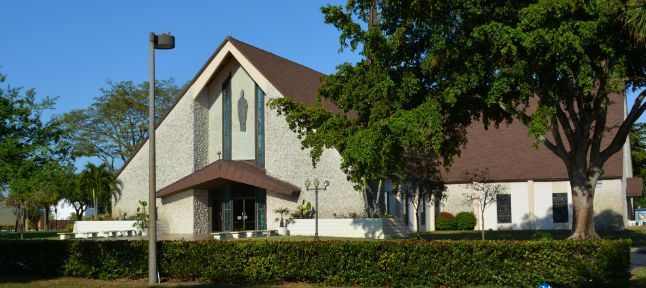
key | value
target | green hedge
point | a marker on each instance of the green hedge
(602, 263)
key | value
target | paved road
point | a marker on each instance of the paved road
(637, 258)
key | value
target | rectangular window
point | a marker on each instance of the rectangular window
(559, 208)
(503, 203)
(226, 119)
(260, 127)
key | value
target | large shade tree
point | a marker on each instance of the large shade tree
(116, 122)
(569, 57)
(435, 66)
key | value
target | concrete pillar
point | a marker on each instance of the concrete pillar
(530, 204)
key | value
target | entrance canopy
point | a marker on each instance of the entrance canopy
(220, 172)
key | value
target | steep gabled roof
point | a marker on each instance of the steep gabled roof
(291, 79)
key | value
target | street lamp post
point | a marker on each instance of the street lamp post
(316, 201)
(163, 41)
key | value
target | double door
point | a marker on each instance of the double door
(238, 207)
(244, 213)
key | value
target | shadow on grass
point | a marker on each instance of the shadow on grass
(638, 236)
(30, 235)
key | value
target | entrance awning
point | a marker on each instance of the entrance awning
(222, 171)
(634, 187)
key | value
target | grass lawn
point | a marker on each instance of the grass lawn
(30, 235)
(637, 234)
(22, 282)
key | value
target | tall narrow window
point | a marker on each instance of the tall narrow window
(503, 203)
(559, 207)
(261, 208)
(260, 127)
(226, 119)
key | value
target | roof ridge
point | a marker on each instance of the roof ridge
(232, 39)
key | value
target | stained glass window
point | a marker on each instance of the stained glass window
(226, 119)
(559, 207)
(503, 203)
(260, 127)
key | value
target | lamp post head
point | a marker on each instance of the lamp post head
(164, 41)
(307, 184)
(325, 184)
(316, 182)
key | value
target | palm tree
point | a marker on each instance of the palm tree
(101, 181)
(634, 20)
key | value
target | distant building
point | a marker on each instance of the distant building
(7, 214)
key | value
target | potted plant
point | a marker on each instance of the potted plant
(282, 230)
(141, 218)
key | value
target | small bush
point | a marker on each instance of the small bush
(445, 221)
(465, 221)
(542, 235)
(600, 263)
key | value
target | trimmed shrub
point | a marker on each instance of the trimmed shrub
(445, 221)
(601, 263)
(465, 221)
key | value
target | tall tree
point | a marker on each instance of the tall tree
(570, 57)
(435, 66)
(389, 102)
(29, 149)
(98, 181)
(638, 156)
(116, 123)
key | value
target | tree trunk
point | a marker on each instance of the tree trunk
(482, 229)
(582, 205)
(46, 219)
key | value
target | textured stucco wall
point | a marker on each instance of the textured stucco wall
(178, 211)
(285, 160)
(175, 160)
(609, 205)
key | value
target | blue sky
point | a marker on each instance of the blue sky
(69, 49)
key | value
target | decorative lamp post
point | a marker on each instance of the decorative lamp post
(164, 41)
(316, 201)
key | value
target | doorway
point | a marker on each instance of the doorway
(237, 207)
(244, 213)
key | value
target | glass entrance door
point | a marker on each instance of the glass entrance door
(244, 213)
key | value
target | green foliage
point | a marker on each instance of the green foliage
(465, 221)
(282, 212)
(141, 218)
(304, 211)
(445, 221)
(117, 122)
(32, 160)
(98, 181)
(601, 263)
(542, 235)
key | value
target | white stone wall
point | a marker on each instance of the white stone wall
(178, 212)
(536, 212)
(286, 161)
(175, 150)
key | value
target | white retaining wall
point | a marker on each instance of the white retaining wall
(353, 228)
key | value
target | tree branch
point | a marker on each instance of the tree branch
(520, 115)
(618, 141)
(565, 123)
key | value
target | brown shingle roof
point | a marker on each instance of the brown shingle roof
(509, 155)
(222, 171)
(507, 152)
(634, 187)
